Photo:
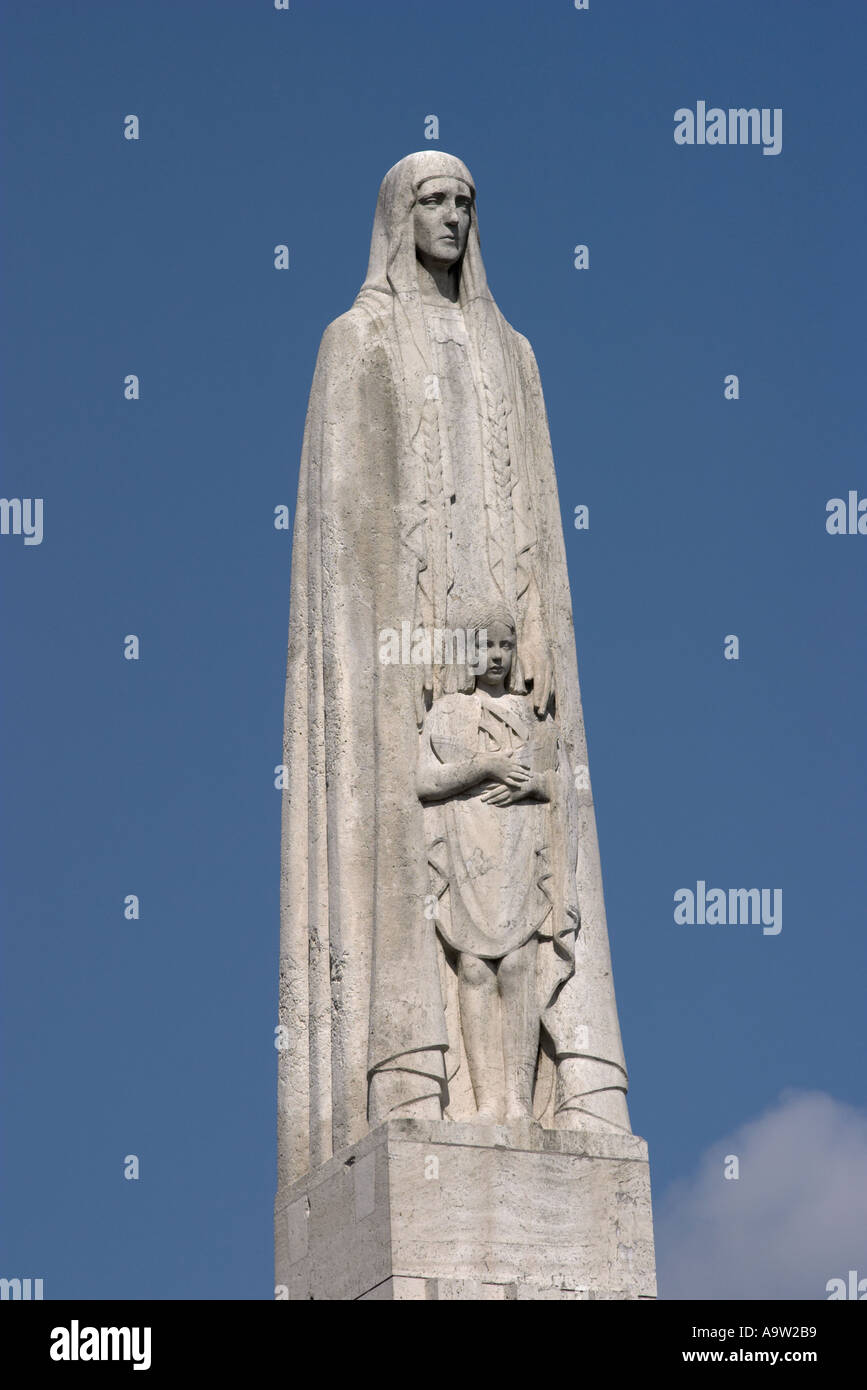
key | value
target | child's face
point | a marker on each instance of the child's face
(496, 652)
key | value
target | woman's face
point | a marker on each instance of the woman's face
(441, 219)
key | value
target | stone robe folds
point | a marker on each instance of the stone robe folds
(364, 1031)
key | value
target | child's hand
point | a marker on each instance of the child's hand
(507, 796)
(505, 769)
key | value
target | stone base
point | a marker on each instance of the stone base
(429, 1210)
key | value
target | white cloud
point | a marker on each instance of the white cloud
(795, 1218)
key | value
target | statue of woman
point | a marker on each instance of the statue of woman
(497, 787)
(426, 480)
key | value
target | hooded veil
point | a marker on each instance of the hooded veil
(364, 1032)
(391, 295)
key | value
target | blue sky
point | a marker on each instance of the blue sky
(707, 518)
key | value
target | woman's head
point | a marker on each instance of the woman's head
(413, 197)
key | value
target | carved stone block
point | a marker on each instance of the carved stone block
(430, 1210)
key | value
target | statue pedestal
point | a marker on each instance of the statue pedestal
(430, 1209)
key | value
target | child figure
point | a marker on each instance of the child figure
(495, 782)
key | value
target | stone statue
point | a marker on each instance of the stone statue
(502, 850)
(439, 840)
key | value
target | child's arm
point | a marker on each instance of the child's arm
(437, 781)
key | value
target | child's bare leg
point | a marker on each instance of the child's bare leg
(520, 1028)
(480, 1025)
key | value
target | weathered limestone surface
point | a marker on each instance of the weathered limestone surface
(432, 1210)
(452, 1117)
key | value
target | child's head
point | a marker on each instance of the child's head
(494, 658)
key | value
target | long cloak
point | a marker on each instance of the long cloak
(363, 1023)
